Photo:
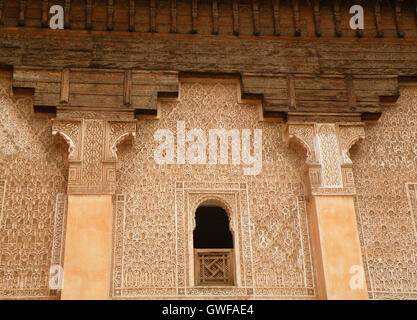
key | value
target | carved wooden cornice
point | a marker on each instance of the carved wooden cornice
(282, 95)
(336, 11)
(1, 11)
(132, 14)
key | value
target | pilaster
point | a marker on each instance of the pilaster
(92, 157)
(332, 211)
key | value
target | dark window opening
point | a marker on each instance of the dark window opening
(212, 228)
(213, 247)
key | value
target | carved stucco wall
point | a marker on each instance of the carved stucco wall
(155, 205)
(385, 170)
(32, 200)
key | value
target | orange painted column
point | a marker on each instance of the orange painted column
(337, 247)
(87, 258)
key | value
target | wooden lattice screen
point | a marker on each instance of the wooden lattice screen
(214, 266)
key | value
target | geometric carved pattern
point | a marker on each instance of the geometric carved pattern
(214, 266)
(155, 206)
(327, 146)
(384, 165)
(91, 167)
(329, 157)
(412, 200)
(2, 196)
(57, 256)
(32, 175)
(268, 277)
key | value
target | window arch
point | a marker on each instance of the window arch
(213, 246)
(212, 229)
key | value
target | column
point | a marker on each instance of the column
(92, 146)
(332, 213)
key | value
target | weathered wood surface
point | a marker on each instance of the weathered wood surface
(86, 87)
(44, 47)
(130, 69)
(94, 88)
(392, 18)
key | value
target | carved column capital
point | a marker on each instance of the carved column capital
(327, 145)
(92, 147)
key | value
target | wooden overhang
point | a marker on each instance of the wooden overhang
(305, 62)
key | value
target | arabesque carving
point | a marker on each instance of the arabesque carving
(71, 131)
(385, 170)
(155, 206)
(348, 136)
(32, 199)
(327, 146)
(92, 151)
(304, 134)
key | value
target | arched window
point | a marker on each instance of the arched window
(213, 246)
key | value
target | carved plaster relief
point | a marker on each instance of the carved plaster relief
(32, 187)
(92, 146)
(385, 168)
(327, 146)
(155, 206)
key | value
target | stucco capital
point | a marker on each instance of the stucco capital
(92, 146)
(327, 146)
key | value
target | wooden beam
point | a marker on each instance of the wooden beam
(127, 92)
(152, 12)
(1, 11)
(291, 92)
(317, 18)
(65, 78)
(194, 15)
(110, 12)
(146, 112)
(255, 13)
(370, 116)
(67, 10)
(278, 115)
(336, 15)
(174, 16)
(22, 11)
(215, 16)
(45, 109)
(296, 15)
(88, 14)
(378, 19)
(132, 14)
(275, 7)
(235, 17)
(350, 92)
(398, 21)
(45, 9)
